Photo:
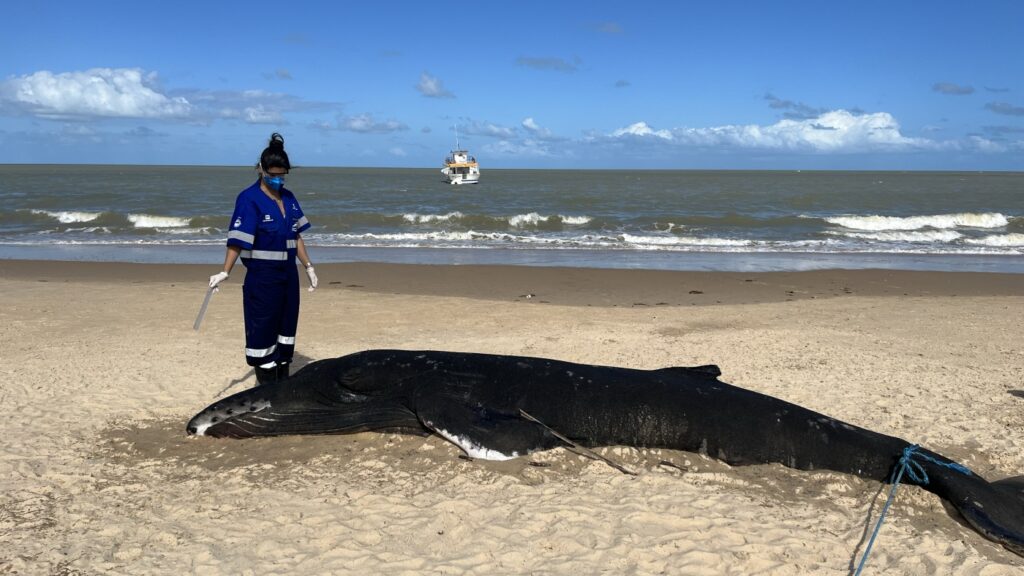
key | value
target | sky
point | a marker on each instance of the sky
(866, 85)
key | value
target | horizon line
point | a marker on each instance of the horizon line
(299, 167)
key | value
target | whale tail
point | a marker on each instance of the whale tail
(995, 509)
(998, 512)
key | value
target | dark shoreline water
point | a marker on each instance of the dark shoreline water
(650, 219)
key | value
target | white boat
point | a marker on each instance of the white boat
(459, 166)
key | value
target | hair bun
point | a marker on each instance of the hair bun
(273, 155)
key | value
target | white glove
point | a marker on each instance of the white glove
(217, 279)
(312, 278)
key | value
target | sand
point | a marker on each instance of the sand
(101, 369)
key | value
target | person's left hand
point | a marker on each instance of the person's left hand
(312, 278)
(217, 279)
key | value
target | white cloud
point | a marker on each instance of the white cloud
(982, 144)
(834, 131)
(102, 92)
(251, 106)
(432, 87)
(488, 129)
(525, 149)
(537, 130)
(259, 114)
(366, 124)
(641, 129)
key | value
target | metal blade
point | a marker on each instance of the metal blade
(202, 309)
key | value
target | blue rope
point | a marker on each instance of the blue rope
(916, 473)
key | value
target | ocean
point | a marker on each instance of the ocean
(677, 220)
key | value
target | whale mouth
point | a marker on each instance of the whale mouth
(224, 414)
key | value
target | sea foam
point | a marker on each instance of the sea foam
(149, 221)
(682, 241)
(415, 218)
(941, 221)
(904, 236)
(1001, 240)
(534, 218)
(69, 217)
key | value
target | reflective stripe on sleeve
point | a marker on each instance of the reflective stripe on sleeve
(302, 222)
(239, 235)
(264, 254)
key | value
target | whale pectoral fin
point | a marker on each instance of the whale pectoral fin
(705, 370)
(485, 433)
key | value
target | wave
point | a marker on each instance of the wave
(415, 218)
(69, 217)
(504, 237)
(940, 221)
(903, 236)
(524, 220)
(113, 218)
(535, 219)
(150, 221)
(492, 240)
(531, 219)
(558, 221)
(683, 241)
(999, 240)
(1006, 244)
(575, 220)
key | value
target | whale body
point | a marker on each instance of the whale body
(500, 407)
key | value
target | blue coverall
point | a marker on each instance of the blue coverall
(270, 294)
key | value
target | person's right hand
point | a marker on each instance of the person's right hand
(312, 278)
(217, 279)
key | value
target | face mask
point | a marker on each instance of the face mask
(274, 182)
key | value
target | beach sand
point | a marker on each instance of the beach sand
(101, 370)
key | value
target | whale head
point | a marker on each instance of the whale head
(343, 395)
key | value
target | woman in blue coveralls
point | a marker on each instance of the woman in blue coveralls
(266, 233)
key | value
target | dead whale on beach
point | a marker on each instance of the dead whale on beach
(500, 407)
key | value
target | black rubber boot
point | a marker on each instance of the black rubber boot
(282, 371)
(265, 375)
